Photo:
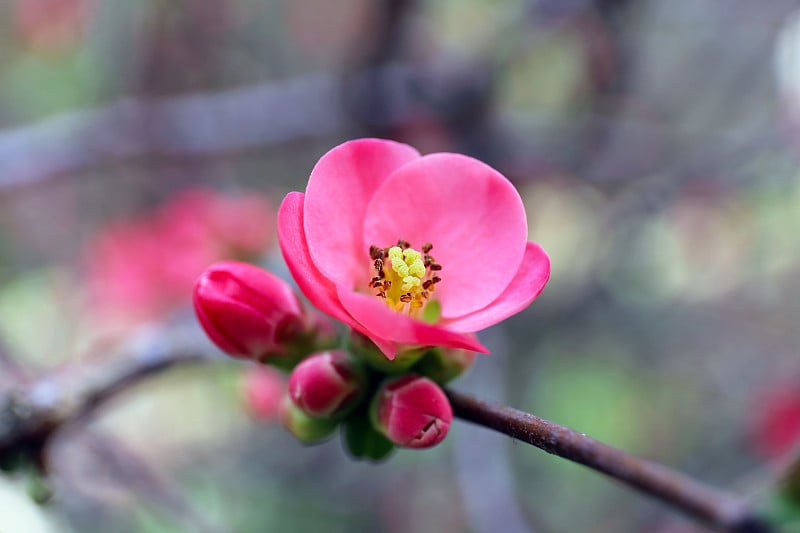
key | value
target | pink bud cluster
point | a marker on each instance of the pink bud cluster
(250, 313)
(412, 316)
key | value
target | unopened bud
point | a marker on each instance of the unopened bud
(412, 411)
(263, 389)
(247, 311)
(306, 429)
(326, 384)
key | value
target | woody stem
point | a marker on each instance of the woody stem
(717, 509)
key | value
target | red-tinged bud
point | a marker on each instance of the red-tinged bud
(263, 390)
(247, 311)
(445, 364)
(412, 411)
(306, 429)
(776, 420)
(326, 384)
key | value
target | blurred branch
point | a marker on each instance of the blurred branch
(717, 509)
(204, 123)
(200, 123)
(32, 414)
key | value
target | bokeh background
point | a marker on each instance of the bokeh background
(655, 145)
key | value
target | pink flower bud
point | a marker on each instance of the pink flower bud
(326, 384)
(247, 312)
(412, 411)
(263, 390)
(775, 423)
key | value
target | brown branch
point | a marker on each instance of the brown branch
(715, 508)
(30, 415)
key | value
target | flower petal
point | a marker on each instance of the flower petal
(318, 289)
(311, 282)
(524, 288)
(378, 320)
(470, 213)
(339, 189)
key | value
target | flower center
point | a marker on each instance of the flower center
(404, 277)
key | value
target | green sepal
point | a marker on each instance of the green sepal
(362, 441)
(443, 368)
(38, 487)
(307, 429)
(365, 350)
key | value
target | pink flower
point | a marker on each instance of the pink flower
(410, 250)
(412, 411)
(53, 26)
(247, 311)
(326, 384)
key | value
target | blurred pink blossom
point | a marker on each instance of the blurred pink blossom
(143, 267)
(51, 26)
(775, 428)
(263, 390)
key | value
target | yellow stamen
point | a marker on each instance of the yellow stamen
(404, 276)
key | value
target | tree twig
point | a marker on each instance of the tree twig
(30, 415)
(715, 508)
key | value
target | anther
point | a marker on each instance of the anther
(405, 298)
(381, 274)
(427, 248)
(435, 266)
(373, 252)
(403, 244)
(387, 284)
(436, 279)
(379, 264)
(427, 261)
(381, 294)
(427, 284)
(375, 279)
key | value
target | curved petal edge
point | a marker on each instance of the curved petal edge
(527, 284)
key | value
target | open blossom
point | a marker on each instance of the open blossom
(410, 250)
